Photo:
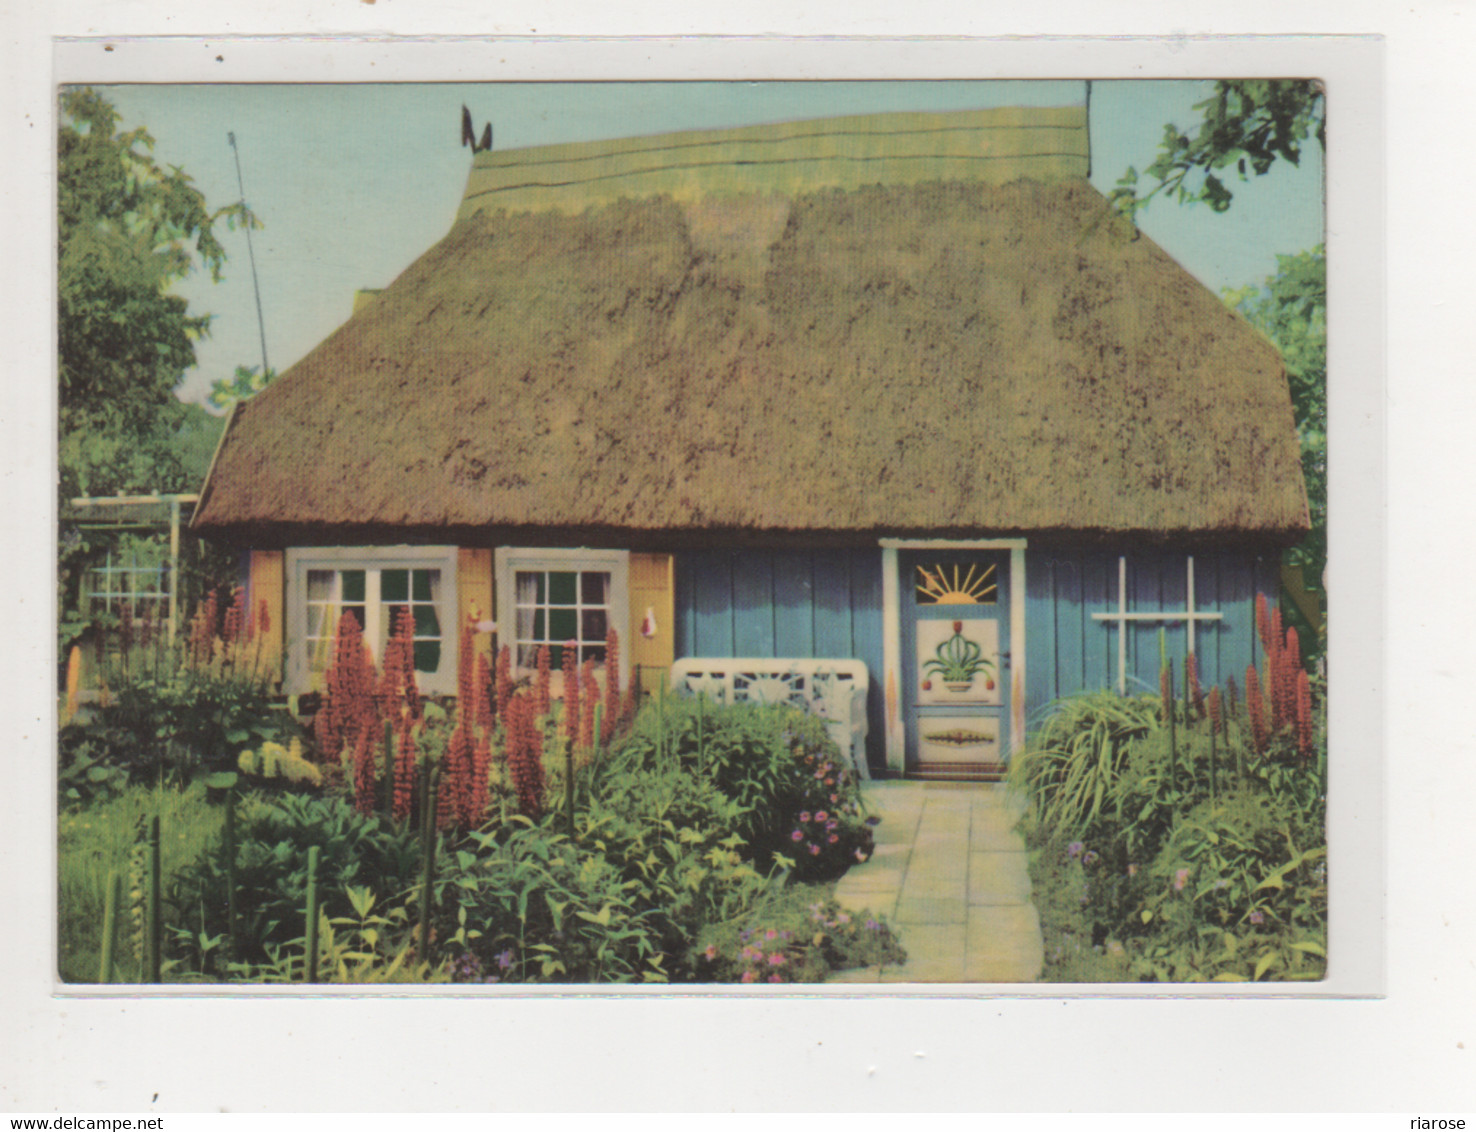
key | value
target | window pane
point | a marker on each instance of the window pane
(596, 624)
(423, 580)
(527, 656)
(556, 657)
(320, 585)
(394, 585)
(561, 588)
(427, 624)
(563, 624)
(353, 586)
(427, 656)
(595, 588)
(538, 616)
(595, 653)
(316, 617)
(530, 588)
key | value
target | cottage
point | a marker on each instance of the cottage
(898, 389)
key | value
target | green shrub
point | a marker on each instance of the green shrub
(273, 835)
(797, 799)
(173, 720)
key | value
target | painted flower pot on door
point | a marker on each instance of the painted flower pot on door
(959, 661)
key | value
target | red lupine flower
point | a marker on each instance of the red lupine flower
(483, 694)
(481, 767)
(454, 795)
(235, 617)
(349, 706)
(612, 685)
(1290, 667)
(588, 699)
(1304, 714)
(1263, 622)
(366, 782)
(503, 682)
(466, 673)
(1254, 708)
(540, 685)
(1216, 720)
(1192, 689)
(525, 755)
(406, 757)
(571, 691)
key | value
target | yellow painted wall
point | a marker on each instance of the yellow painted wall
(651, 587)
(265, 584)
(474, 592)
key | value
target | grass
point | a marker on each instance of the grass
(93, 841)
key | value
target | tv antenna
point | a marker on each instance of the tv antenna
(251, 254)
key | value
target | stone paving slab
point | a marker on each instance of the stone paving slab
(998, 877)
(950, 872)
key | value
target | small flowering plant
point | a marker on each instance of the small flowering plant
(797, 943)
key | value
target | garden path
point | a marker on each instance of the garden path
(949, 874)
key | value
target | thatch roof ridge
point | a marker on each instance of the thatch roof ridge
(991, 146)
(938, 356)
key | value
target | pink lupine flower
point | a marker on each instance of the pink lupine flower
(1181, 878)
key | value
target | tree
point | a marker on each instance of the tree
(1291, 310)
(1246, 123)
(1251, 124)
(127, 231)
(246, 383)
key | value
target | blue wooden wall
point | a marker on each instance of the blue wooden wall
(786, 603)
(1068, 651)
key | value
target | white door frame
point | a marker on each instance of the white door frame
(892, 637)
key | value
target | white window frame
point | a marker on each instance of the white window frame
(508, 560)
(372, 560)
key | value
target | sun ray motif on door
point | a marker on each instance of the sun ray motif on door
(956, 584)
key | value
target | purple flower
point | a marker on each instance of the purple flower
(796, 836)
(814, 849)
(1074, 850)
(804, 815)
(834, 837)
(821, 816)
(1181, 878)
(1258, 917)
(1090, 857)
(505, 960)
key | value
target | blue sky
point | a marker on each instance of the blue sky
(354, 182)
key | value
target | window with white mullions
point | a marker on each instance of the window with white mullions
(137, 577)
(329, 583)
(555, 607)
(553, 595)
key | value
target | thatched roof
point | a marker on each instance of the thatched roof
(897, 353)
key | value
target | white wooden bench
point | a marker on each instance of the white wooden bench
(834, 690)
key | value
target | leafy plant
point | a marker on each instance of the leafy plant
(273, 836)
(1071, 765)
(101, 839)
